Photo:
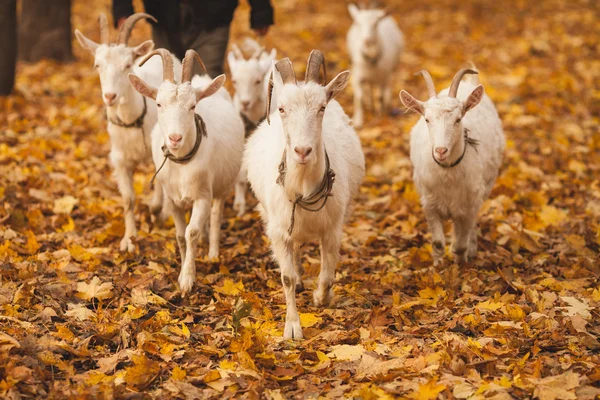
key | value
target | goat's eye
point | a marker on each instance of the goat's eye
(234, 82)
(193, 108)
(426, 120)
(322, 109)
(457, 121)
(128, 66)
(158, 105)
(281, 110)
(96, 66)
(257, 82)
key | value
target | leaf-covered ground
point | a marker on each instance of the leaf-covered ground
(79, 319)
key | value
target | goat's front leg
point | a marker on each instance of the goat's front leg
(357, 87)
(283, 252)
(386, 96)
(438, 241)
(216, 216)
(124, 177)
(462, 232)
(368, 97)
(330, 256)
(200, 213)
(158, 207)
(472, 247)
(180, 225)
(298, 267)
(239, 202)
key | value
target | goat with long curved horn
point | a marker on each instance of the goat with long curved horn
(127, 27)
(313, 67)
(188, 64)
(167, 61)
(456, 81)
(104, 31)
(286, 70)
(429, 83)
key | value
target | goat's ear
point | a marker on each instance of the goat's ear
(474, 98)
(142, 87)
(353, 10)
(231, 60)
(337, 84)
(411, 103)
(143, 48)
(86, 43)
(211, 88)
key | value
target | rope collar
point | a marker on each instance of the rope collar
(311, 202)
(468, 141)
(200, 132)
(249, 125)
(138, 123)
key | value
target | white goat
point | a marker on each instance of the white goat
(197, 149)
(456, 154)
(291, 163)
(375, 44)
(130, 117)
(250, 80)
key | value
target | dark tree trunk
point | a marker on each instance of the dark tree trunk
(8, 45)
(45, 30)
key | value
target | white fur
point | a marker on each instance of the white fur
(456, 193)
(204, 182)
(304, 125)
(250, 80)
(128, 146)
(372, 35)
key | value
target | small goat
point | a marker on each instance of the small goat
(250, 80)
(130, 117)
(375, 44)
(456, 150)
(291, 163)
(197, 149)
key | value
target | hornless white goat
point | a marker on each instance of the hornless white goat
(375, 43)
(291, 163)
(197, 147)
(250, 80)
(456, 150)
(130, 117)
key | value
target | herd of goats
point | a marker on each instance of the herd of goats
(291, 140)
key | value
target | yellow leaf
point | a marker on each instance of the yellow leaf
(64, 205)
(489, 305)
(94, 289)
(428, 391)
(434, 294)
(178, 374)
(142, 297)
(143, 372)
(7, 342)
(69, 226)
(79, 312)
(230, 288)
(552, 216)
(32, 245)
(307, 320)
(346, 352)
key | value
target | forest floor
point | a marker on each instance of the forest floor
(79, 319)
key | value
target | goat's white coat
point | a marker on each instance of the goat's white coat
(251, 79)
(388, 43)
(457, 193)
(262, 157)
(129, 147)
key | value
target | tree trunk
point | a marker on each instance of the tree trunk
(45, 30)
(8, 45)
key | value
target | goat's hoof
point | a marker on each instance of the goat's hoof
(460, 256)
(240, 207)
(127, 245)
(186, 282)
(293, 330)
(213, 255)
(322, 297)
(299, 286)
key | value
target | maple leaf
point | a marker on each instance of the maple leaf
(346, 352)
(576, 307)
(94, 289)
(79, 312)
(428, 391)
(307, 320)
(230, 288)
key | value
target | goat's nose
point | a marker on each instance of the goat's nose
(245, 103)
(441, 150)
(303, 151)
(110, 97)
(175, 138)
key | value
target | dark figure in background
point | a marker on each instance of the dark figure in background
(202, 25)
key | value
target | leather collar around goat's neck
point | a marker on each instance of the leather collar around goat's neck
(468, 142)
(137, 123)
(249, 125)
(319, 195)
(200, 133)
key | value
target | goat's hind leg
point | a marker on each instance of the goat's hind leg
(124, 176)
(283, 252)
(330, 256)
(298, 267)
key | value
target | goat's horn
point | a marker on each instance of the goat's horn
(128, 25)
(456, 81)
(238, 53)
(286, 71)
(104, 31)
(188, 64)
(429, 83)
(167, 61)
(315, 61)
(257, 53)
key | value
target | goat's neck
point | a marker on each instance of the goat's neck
(457, 150)
(304, 179)
(189, 139)
(258, 110)
(130, 107)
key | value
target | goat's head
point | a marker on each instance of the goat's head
(302, 106)
(367, 21)
(443, 115)
(176, 102)
(248, 75)
(114, 60)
